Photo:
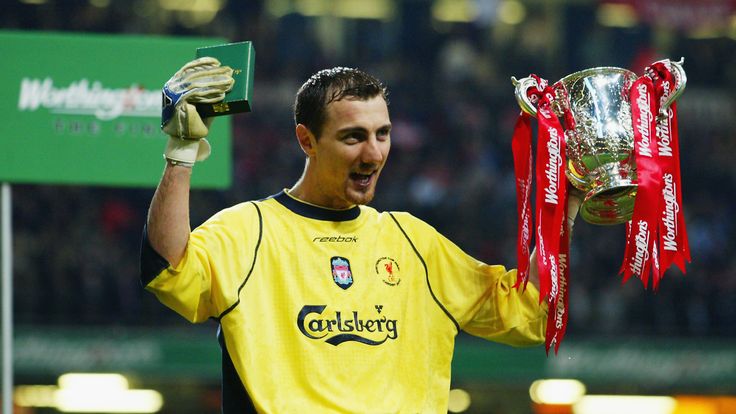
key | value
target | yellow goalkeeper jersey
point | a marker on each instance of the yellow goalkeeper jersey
(338, 311)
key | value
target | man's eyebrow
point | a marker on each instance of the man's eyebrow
(361, 129)
(352, 129)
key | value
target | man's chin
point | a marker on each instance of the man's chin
(360, 197)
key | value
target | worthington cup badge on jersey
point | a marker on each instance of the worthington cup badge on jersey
(388, 270)
(341, 273)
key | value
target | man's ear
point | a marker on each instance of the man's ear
(306, 139)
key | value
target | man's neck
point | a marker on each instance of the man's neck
(301, 192)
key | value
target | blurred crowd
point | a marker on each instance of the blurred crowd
(453, 111)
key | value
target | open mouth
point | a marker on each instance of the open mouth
(363, 180)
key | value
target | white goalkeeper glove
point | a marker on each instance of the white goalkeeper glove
(200, 81)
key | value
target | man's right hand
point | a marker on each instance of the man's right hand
(202, 80)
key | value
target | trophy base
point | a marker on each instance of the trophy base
(609, 206)
(609, 197)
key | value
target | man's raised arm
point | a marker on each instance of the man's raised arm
(202, 80)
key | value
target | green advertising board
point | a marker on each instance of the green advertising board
(86, 108)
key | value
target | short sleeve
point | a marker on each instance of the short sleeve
(480, 297)
(217, 259)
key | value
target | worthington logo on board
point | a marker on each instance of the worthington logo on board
(85, 97)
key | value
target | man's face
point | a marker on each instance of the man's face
(351, 152)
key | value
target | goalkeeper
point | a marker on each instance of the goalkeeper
(324, 304)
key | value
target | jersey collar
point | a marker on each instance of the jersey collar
(315, 212)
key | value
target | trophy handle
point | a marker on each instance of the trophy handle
(521, 87)
(680, 81)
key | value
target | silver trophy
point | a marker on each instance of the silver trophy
(600, 141)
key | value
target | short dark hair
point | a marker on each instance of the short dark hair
(330, 85)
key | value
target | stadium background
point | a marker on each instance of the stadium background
(78, 304)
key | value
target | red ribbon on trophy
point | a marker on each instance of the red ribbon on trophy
(550, 201)
(521, 146)
(559, 298)
(656, 235)
(641, 247)
(673, 234)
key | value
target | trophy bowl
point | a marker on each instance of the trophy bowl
(595, 110)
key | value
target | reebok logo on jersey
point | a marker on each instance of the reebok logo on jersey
(335, 239)
(338, 327)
